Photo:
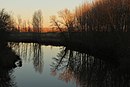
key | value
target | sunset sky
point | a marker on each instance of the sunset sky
(26, 8)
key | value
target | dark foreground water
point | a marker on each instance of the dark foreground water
(35, 65)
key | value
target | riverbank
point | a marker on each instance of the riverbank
(90, 39)
(105, 45)
(112, 47)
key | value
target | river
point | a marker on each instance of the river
(36, 65)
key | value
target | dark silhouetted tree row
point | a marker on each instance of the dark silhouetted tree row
(101, 15)
(104, 16)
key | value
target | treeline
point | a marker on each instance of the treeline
(33, 25)
(101, 16)
(9, 23)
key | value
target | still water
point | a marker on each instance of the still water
(36, 65)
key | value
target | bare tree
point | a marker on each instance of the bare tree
(65, 21)
(37, 21)
(29, 26)
(6, 24)
(5, 21)
(19, 19)
(55, 23)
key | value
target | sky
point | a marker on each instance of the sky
(26, 8)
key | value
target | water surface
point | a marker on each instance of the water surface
(36, 69)
(36, 65)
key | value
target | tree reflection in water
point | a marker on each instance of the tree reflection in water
(30, 52)
(38, 58)
(8, 61)
(87, 71)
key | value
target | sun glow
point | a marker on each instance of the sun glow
(26, 8)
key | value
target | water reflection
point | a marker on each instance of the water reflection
(87, 71)
(38, 58)
(8, 61)
(70, 66)
(30, 52)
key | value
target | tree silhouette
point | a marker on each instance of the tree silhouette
(37, 21)
(104, 16)
(6, 24)
(19, 23)
(65, 21)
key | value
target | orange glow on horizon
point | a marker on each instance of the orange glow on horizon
(29, 29)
